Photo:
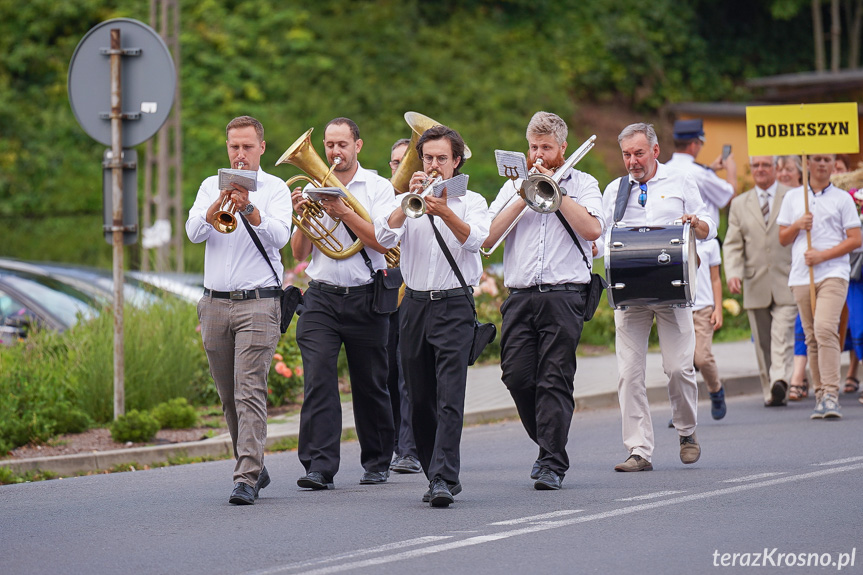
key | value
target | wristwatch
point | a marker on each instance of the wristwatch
(247, 211)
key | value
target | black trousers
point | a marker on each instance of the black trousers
(435, 344)
(401, 405)
(539, 335)
(327, 321)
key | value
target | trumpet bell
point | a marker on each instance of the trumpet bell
(541, 193)
(414, 206)
(225, 220)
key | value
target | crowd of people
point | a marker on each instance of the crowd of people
(408, 368)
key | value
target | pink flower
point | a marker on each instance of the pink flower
(278, 357)
(300, 267)
(299, 371)
(283, 370)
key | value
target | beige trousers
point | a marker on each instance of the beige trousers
(822, 335)
(677, 345)
(240, 338)
(773, 331)
(703, 358)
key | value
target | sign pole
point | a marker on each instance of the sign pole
(117, 223)
(808, 235)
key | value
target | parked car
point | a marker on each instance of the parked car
(31, 300)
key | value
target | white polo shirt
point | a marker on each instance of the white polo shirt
(833, 212)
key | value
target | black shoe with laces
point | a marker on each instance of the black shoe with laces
(548, 480)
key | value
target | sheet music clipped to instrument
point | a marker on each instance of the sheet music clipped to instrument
(245, 178)
(455, 187)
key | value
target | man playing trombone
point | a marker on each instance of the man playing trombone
(436, 314)
(547, 277)
(338, 309)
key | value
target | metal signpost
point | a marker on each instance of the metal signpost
(121, 89)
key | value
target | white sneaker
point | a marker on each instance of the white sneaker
(831, 407)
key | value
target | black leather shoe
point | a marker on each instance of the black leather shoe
(243, 494)
(454, 489)
(374, 477)
(778, 394)
(548, 480)
(315, 480)
(534, 473)
(263, 481)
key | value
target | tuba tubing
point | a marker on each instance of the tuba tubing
(312, 223)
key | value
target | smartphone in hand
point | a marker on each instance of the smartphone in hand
(726, 151)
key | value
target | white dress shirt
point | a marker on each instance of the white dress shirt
(771, 194)
(423, 264)
(670, 194)
(231, 261)
(715, 191)
(539, 250)
(376, 196)
(833, 212)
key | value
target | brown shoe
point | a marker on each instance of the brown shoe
(634, 463)
(690, 451)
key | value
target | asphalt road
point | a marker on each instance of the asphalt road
(768, 480)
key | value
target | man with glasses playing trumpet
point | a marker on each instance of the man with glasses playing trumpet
(436, 314)
(547, 278)
(337, 310)
(240, 311)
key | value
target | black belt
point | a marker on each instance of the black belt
(243, 294)
(435, 294)
(542, 288)
(341, 290)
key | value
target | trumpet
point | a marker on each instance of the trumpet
(225, 219)
(414, 205)
(542, 193)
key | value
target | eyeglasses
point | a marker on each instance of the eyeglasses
(642, 197)
(441, 160)
(395, 164)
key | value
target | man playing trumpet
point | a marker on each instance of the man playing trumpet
(547, 278)
(436, 315)
(337, 310)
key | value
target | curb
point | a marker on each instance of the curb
(221, 447)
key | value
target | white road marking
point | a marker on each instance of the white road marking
(841, 461)
(543, 526)
(753, 477)
(350, 555)
(649, 496)
(533, 518)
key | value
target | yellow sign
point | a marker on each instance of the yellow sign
(802, 129)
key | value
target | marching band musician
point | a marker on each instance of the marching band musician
(240, 311)
(657, 196)
(548, 280)
(404, 448)
(436, 316)
(338, 310)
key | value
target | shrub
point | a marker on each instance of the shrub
(175, 414)
(136, 426)
(285, 380)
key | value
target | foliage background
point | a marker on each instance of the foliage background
(481, 66)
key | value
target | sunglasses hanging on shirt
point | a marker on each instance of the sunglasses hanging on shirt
(642, 197)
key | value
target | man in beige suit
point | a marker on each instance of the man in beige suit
(754, 257)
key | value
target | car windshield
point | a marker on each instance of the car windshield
(60, 300)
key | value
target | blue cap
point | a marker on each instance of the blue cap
(689, 129)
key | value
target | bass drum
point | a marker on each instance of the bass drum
(654, 266)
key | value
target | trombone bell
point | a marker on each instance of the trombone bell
(541, 193)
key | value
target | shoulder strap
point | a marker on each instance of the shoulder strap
(260, 247)
(452, 263)
(363, 253)
(571, 233)
(622, 198)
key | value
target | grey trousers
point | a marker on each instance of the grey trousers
(240, 338)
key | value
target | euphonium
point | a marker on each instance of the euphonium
(302, 155)
(414, 205)
(225, 219)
